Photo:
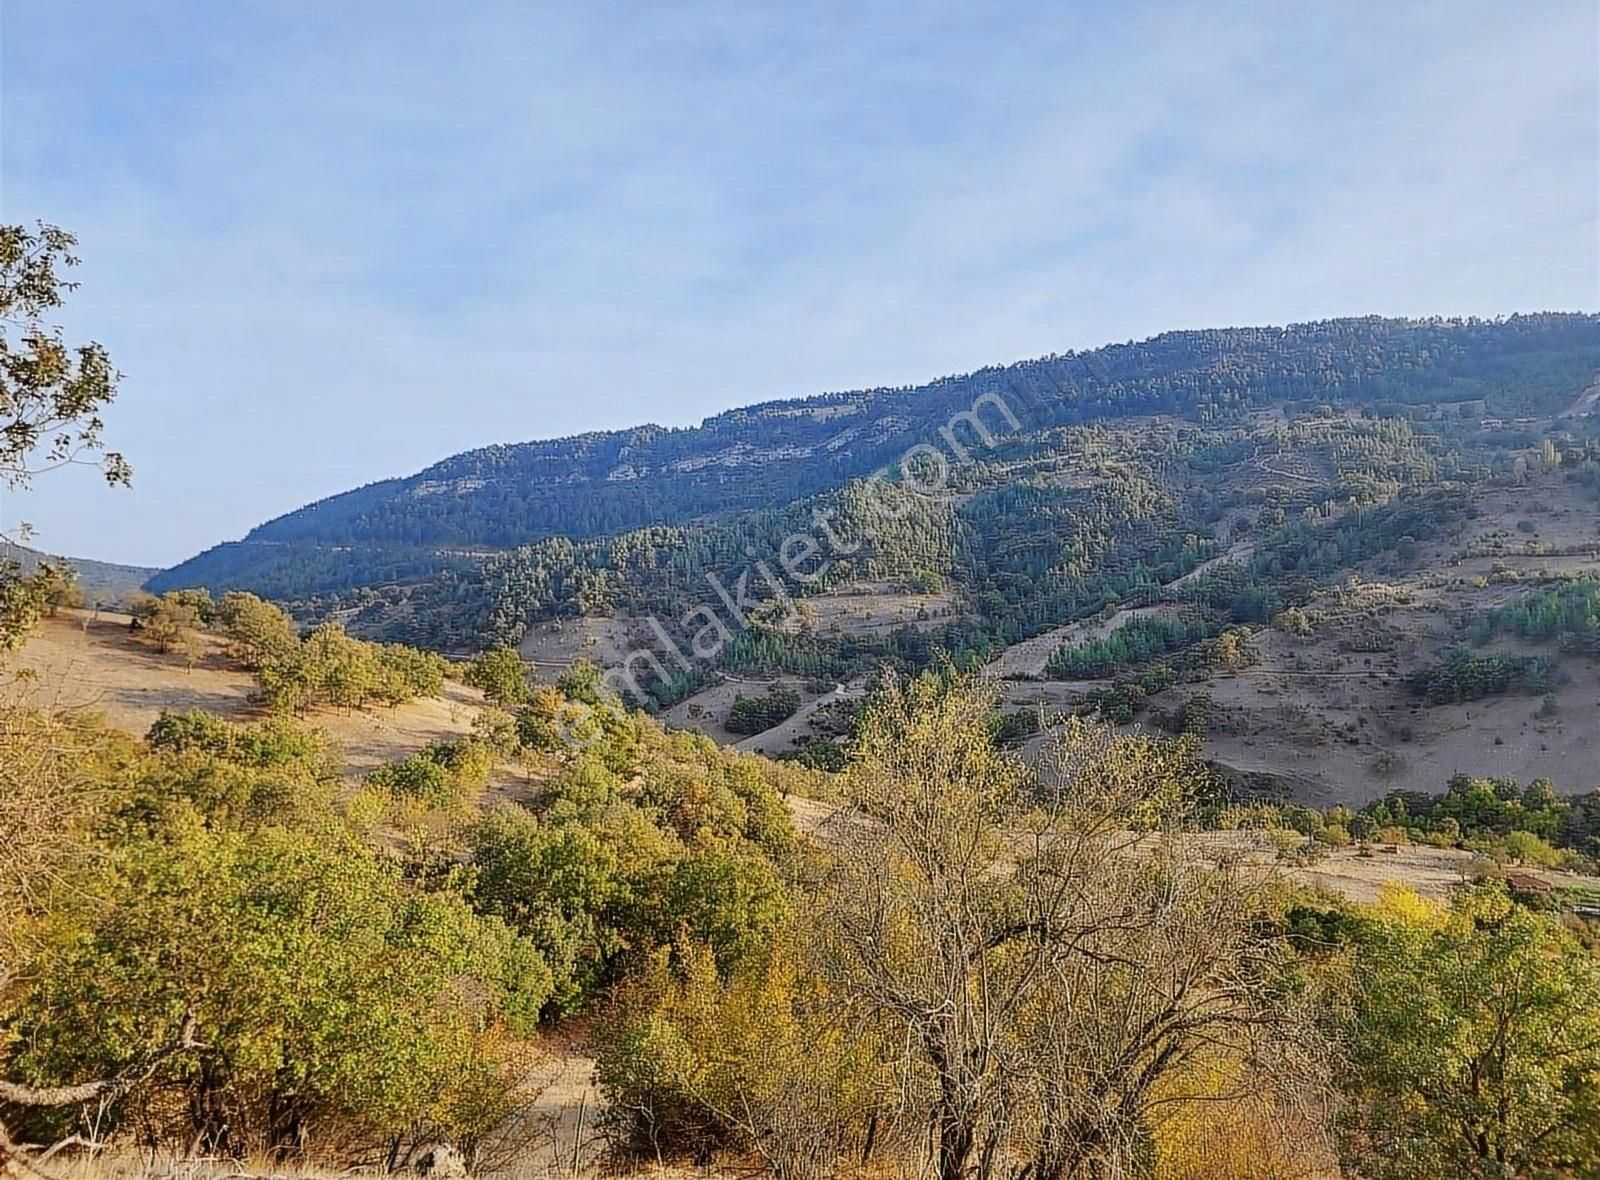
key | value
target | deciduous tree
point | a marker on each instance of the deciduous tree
(1475, 1045)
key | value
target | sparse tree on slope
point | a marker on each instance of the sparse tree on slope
(1060, 967)
(51, 397)
(502, 676)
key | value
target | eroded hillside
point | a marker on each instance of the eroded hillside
(1287, 542)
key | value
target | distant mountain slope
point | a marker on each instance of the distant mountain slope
(1351, 557)
(448, 516)
(101, 581)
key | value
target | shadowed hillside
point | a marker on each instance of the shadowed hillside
(101, 581)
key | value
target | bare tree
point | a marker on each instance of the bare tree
(1160, 984)
(1181, 1005)
(1061, 961)
(921, 926)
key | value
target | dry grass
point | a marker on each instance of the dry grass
(100, 667)
(94, 663)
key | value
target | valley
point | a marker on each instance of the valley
(763, 592)
(90, 664)
(1262, 537)
(1323, 717)
(1283, 670)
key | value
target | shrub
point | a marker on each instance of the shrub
(752, 715)
(1466, 677)
(691, 1060)
(817, 753)
(258, 633)
(1493, 1013)
(501, 674)
(335, 993)
(1526, 848)
(558, 885)
(332, 668)
(445, 774)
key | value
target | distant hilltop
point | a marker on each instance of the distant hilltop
(102, 582)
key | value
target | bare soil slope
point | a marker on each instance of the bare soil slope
(1330, 718)
(84, 661)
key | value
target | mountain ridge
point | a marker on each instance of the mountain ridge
(1349, 557)
(101, 581)
(601, 483)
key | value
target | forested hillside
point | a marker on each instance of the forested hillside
(97, 581)
(763, 456)
(1283, 541)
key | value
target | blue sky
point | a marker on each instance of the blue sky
(329, 243)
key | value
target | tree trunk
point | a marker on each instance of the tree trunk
(872, 1138)
(956, 1137)
(286, 1128)
(207, 1117)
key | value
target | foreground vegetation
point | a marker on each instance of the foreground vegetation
(355, 984)
(1036, 968)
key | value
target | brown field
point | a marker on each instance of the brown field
(1359, 875)
(868, 608)
(1312, 690)
(554, 646)
(87, 662)
(707, 710)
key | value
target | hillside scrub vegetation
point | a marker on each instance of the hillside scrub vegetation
(327, 668)
(1006, 966)
(353, 990)
(1496, 818)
